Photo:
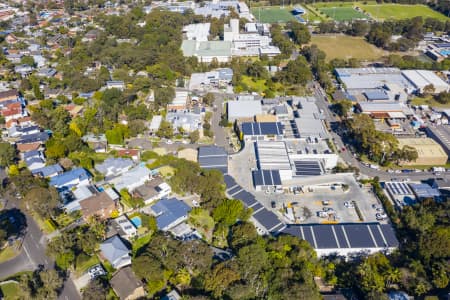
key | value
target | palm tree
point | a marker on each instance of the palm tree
(393, 275)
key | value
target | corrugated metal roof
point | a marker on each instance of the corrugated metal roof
(344, 236)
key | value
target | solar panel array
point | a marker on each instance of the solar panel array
(257, 128)
(266, 178)
(265, 217)
(307, 168)
(341, 236)
(398, 188)
(212, 157)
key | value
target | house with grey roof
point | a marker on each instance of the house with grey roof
(189, 121)
(34, 160)
(48, 171)
(114, 166)
(170, 212)
(132, 178)
(116, 252)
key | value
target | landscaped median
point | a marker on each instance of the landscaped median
(8, 253)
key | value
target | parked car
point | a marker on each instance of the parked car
(349, 204)
(96, 271)
(322, 214)
(273, 204)
(328, 209)
(325, 202)
(381, 216)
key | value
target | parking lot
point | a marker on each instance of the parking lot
(240, 166)
(307, 205)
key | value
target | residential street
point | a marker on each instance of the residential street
(33, 254)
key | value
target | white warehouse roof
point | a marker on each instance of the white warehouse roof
(422, 78)
(243, 109)
(198, 32)
(272, 155)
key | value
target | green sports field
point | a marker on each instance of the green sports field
(343, 13)
(401, 11)
(273, 14)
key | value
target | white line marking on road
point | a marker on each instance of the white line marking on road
(28, 254)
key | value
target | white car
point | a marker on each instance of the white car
(349, 204)
(96, 271)
(169, 142)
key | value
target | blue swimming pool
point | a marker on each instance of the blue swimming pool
(445, 52)
(136, 222)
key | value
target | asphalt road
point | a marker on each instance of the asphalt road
(33, 254)
(351, 160)
(33, 248)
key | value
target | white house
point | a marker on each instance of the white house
(125, 228)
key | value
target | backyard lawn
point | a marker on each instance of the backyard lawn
(204, 223)
(401, 11)
(141, 242)
(345, 47)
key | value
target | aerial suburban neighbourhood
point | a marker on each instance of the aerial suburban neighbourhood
(235, 150)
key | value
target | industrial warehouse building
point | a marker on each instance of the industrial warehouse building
(387, 84)
(371, 78)
(430, 152)
(213, 157)
(309, 120)
(385, 110)
(346, 239)
(277, 156)
(423, 78)
(243, 109)
(261, 131)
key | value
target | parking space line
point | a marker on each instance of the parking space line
(346, 237)
(335, 236)
(303, 234)
(314, 237)
(382, 235)
(371, 235)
